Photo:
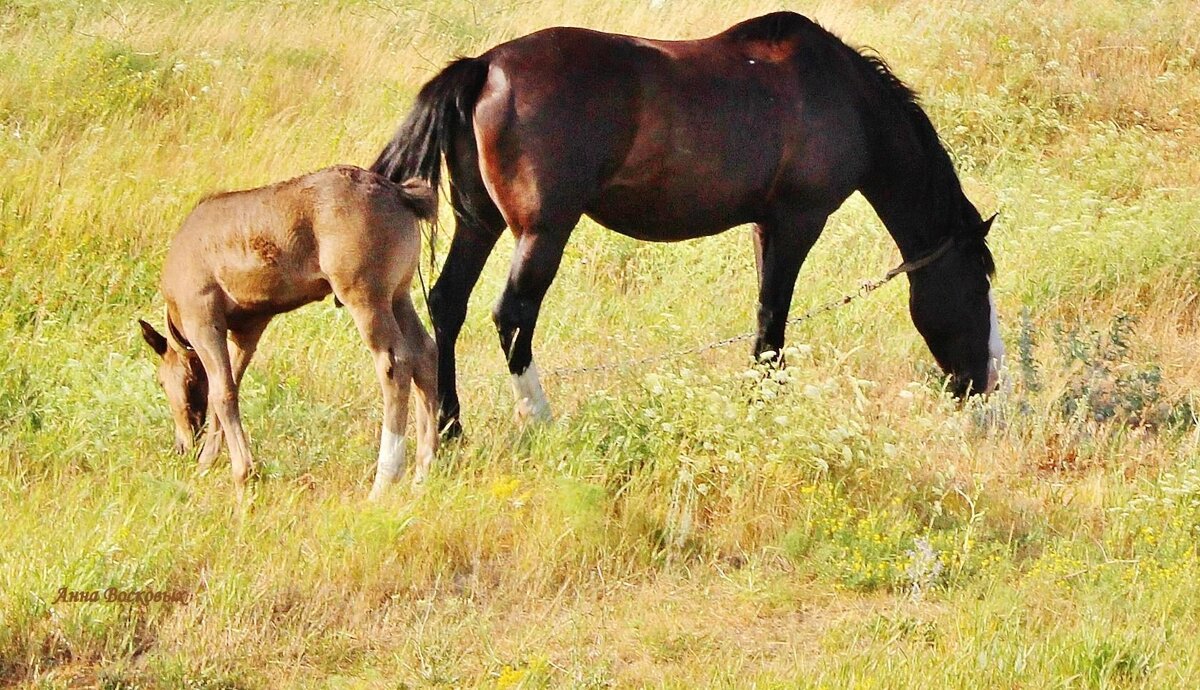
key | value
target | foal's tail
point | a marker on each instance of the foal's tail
(444, 105)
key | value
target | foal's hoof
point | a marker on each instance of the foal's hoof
(207, 456)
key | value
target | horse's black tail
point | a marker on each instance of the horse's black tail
(444, 105)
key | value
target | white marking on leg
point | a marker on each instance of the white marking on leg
(391, 462)
(531, 399)
(995, 347)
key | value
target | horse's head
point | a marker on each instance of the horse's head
(183, 379)
(952, 307)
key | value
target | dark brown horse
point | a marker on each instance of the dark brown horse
(773, 122)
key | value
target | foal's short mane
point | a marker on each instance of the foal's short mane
(223, 193)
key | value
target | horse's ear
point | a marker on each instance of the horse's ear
(986, 225)
(420, 198)
(153, 338)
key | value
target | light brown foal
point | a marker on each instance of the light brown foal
(243, 257)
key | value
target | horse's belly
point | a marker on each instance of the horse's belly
(657, 217)
(661, 229)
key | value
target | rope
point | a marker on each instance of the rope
(864, 290)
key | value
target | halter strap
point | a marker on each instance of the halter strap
(917, 264)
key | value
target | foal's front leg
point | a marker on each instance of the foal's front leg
(210, 343)
(242, 344)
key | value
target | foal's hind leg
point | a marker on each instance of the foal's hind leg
(423, 351)
(393, 367)
(780, 248)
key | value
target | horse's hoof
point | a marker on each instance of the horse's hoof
(529, 413)
(451, 429)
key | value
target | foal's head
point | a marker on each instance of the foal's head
(183, 379)
(952, 307)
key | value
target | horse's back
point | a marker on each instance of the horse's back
(665, 139)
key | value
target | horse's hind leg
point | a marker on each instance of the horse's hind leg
(475, 235)
(534, 265)
(780, 248)
(393, 367)
(423, 352)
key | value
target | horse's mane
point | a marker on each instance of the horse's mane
(776, 26)
(950, 212)
(948, 209)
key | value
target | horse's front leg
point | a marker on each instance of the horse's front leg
(534, 265)
(781, 246)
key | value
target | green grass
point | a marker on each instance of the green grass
(694, 522)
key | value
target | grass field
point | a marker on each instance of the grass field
(683, 524)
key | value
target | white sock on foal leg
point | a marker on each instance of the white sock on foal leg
(531, 399)
(391, 462)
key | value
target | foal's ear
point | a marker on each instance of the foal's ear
(420, 198)
(153, 338)
(986, 225)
